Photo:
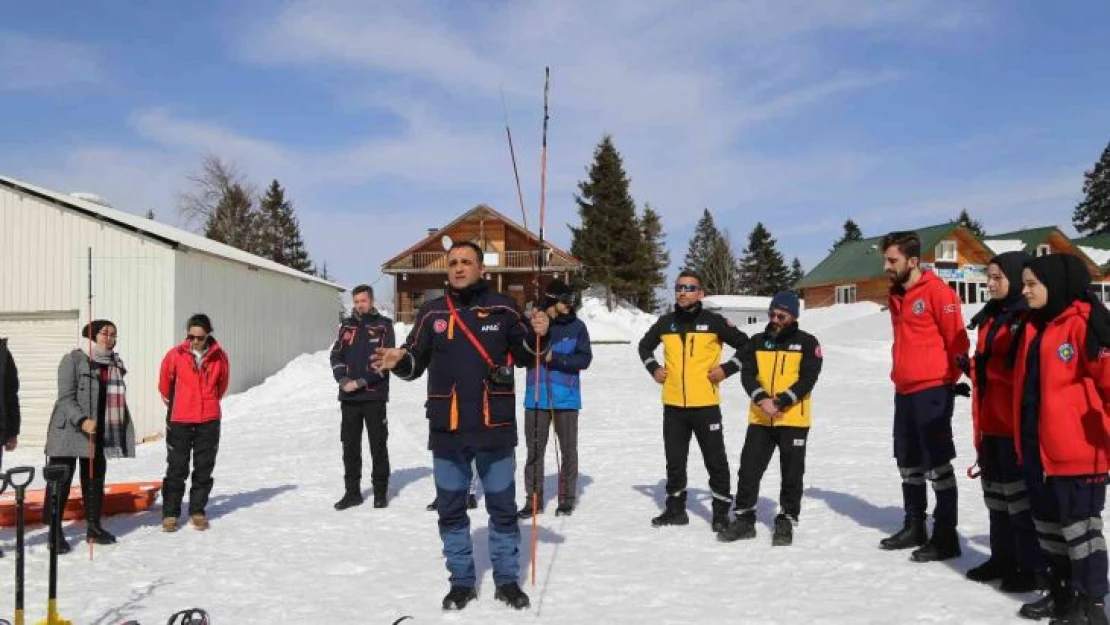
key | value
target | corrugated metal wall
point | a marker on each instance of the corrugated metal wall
(262, 319)
(44, 269)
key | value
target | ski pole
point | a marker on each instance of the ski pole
(54, 474)
(20, 486)
(92, 438)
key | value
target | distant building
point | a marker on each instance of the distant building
(741, 310)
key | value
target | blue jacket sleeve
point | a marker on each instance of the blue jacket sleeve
(578, 360)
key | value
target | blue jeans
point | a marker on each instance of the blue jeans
(452, 473)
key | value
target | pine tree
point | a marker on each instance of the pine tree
(720, 271)
(655, 261)
(796, 274)
(233, 220)
(973, 225)
(762, 268)
(702, 243)
(279, 232)
(1092, 215)
(851, 233)
(609, 239)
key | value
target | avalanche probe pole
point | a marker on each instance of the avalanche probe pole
(92, 438)
(539, 299)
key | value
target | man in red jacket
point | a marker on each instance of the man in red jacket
(193, 380)
(930, 342)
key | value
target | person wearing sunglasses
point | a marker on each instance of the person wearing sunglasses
(91, 411)
(930, 349)
(778, 373)
(194, 378)
(692, 340)
(363, 394)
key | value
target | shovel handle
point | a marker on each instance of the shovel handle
(20, 484)
(55, 472)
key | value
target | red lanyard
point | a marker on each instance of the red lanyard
(467, 332)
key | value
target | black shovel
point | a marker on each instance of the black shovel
(55, 474)
(19, 478)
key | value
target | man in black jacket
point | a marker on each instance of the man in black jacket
(469, 340)
(363, 394)
(9, 399)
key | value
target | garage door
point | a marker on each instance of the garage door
(37, 342)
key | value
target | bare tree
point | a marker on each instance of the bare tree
(208, 188)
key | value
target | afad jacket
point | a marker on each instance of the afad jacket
(692, 345)
(193, 393)
(929, 335)
(783, 367)
(1072, 415)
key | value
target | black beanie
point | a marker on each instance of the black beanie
(93, 328)
(557, 291)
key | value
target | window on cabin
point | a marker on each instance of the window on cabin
(846, 294)
(946, 252)
(752, 320)
(1044, 249)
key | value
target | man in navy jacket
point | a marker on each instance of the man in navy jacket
(468, 341)
(363, 394)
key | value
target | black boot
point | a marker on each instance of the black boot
(1082, 610)
(912, 534)
(565, 508)
(742, 527)
(675, 513)
(349, 500)
(526, 509)
(94, 532)
(381, 495)
(944, 544)
(1018, 580)
(459, 597)
(720, 514)
(992, 569)
(1055, 601)
(512, 595)
(784, 531)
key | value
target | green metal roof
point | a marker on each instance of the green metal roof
(1031, 237)
(862, 260)
(1097, 241)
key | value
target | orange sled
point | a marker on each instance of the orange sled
(119, 498)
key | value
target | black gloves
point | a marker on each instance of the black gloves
(962, 389)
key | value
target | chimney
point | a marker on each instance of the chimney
(432, 230)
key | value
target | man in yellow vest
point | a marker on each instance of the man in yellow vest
(692, 338)
(779, 372)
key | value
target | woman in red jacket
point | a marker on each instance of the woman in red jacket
(1061, 393)
(1012, 541)
(193, 380)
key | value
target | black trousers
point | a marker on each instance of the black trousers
(1012, 538)
(92, 486)
(184, 441)
(372, 414)
(1067, 515)
(704, 424)
(923, 449)
(760, 444)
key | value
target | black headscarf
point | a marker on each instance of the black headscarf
(1011, 264)
(1066, 279)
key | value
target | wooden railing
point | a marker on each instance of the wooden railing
(512, 259)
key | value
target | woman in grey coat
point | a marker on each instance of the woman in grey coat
(90, 419)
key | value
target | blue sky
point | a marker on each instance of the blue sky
(384, 118)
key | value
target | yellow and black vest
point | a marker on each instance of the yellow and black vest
(692, 345)
(782, 367)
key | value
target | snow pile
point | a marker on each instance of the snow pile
(743, 302)
(1100, 257)
(1001, 246)
(623, 323)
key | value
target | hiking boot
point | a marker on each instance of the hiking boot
(989, 571)
(349, 500)
(565, 509)
(459, 597)
(95, 533)
(742, 527)
(471, 501)
(380, 501)
(720, 515)
(63, 544)
(944, 544)
(526, 509)
(675, 512)
(199, 521)
(1082, 610)
(912, 534)
(784, 531)
(1054, 602)
(1018, 580)
(169, 524)
(512, 595)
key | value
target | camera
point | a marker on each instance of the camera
(500, 375)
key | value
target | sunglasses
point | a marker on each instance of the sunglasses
(686, 288)
(196, 338)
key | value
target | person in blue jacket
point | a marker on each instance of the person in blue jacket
(558, 401)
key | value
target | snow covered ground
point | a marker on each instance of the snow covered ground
(278, 552)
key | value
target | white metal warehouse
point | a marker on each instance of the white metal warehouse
(148, 278)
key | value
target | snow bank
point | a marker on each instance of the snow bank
(619, 324)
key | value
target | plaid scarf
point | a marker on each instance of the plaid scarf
(115, 404)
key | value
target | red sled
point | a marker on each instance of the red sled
(119, 498)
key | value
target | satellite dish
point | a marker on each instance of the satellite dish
(447, 243)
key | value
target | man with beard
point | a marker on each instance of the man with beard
(468, 341)
(778, 372)
(692, 369)
(930, 343)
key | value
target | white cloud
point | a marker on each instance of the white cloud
(36, 63)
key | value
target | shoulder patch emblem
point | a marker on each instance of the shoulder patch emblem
(440, 326)
(817, 352)
(702, 327)
(918, 306)
(1065, 352)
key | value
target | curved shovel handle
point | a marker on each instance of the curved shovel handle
(55, 472)
(3, 482)
(26, 476)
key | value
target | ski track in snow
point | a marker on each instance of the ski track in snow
(278, 552)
